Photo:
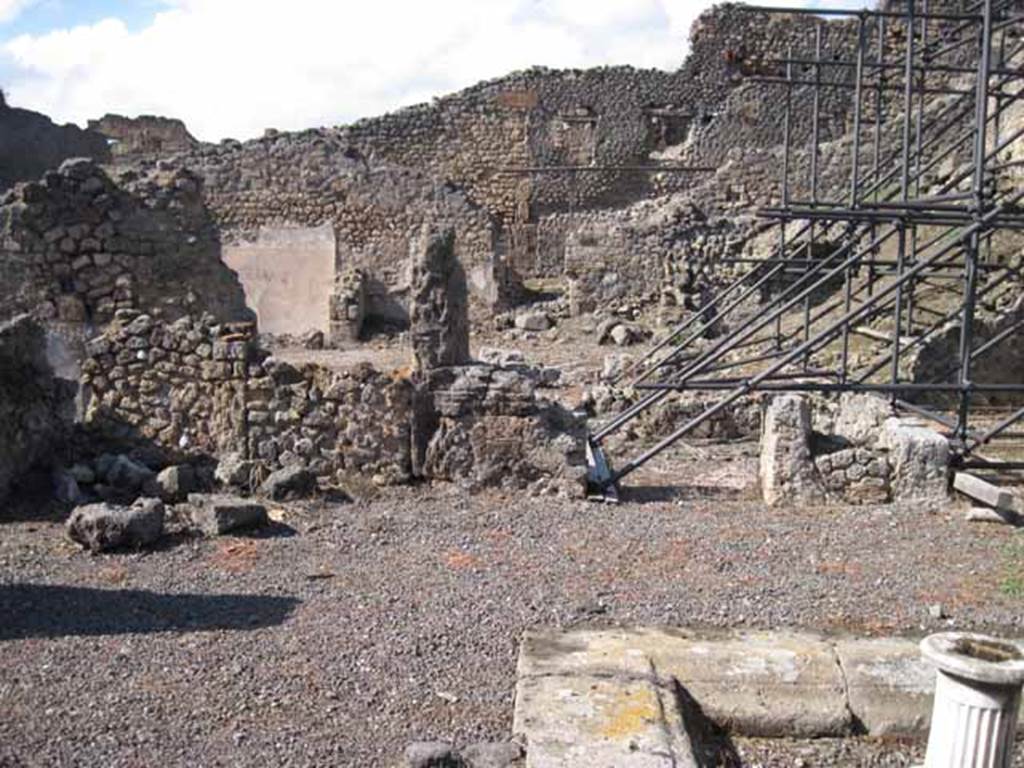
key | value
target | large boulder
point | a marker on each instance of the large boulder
(788, 474)
(102, 527)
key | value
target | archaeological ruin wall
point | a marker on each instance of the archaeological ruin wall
(76, 247)
(144, 136)
(282, 202)
(31, 144)
(36, 408)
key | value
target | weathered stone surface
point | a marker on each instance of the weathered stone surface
(487, 427)
(102, 527)
(600, 723)
(889, 685)
(289, 483)
(36, 409)
(758, 684)
(177, 482)
(787, 471)
(920, 461)
(987, 493)
(438, 311)
(234, 471)
(432, 754)
(497, 754)
(123, 473)
(986, 515)
(861, 417)
(216, 514)
(533, 321)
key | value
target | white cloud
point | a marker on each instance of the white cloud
(235, 67)
(9, 9)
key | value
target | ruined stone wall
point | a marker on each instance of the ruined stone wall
(36, 409)
(376, 210)
(31, 144)
(76, 247)
(143, 136)
(195, 388)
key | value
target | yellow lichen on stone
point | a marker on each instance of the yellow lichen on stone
(629, 714)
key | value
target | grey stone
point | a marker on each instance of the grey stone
(102, 527)
(986, 515)
(432, 754)
(501, 754)
(533, 321)
(126, 474)
(625, 334)
(289, 483)
(615, 365)
(987, 493)
(216, 514)
(919, 457)
(83, 474)
(66, 489)
(889, 685)
(861, 417)
(438, 311)
(787, 472)
(234, 471)
(176, 483)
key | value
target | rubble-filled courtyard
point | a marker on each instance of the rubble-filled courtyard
(610, 418)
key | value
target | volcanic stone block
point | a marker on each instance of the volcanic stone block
(217, 514)
(102, 527)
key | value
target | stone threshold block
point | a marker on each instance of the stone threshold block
(1000, 499)
(621, 694)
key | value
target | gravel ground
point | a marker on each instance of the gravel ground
(346, 631)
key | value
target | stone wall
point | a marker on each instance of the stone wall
(143, 136)
(36, 409)
(195, 388)
(869, 456)
(376, 211)
(31, 144)
(76, 247)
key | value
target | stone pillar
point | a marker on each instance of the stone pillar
(438, 306)
(787, 472)
(348, 306)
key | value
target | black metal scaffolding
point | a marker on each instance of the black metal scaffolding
(930, 88)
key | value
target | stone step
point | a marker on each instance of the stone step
(987, 493)
(632, 697)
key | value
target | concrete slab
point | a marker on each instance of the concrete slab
(889, 686)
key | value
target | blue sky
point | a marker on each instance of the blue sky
(236, 67)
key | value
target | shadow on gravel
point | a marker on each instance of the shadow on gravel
(651, 494)
(37, 610)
